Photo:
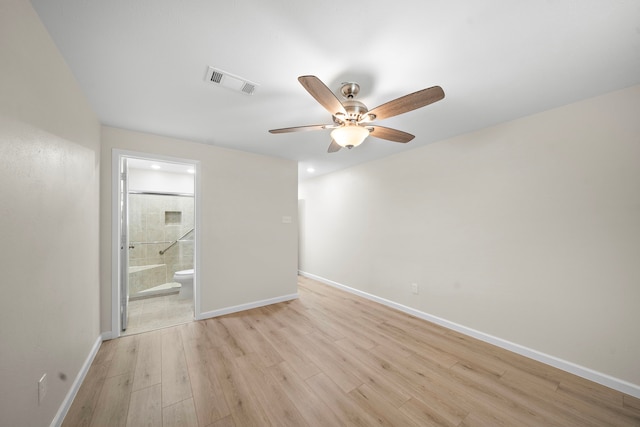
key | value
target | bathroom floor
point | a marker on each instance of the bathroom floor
(158, 312)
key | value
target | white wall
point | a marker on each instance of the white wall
(149, 180)
(49, 171)
(528, 231)
(247, 253)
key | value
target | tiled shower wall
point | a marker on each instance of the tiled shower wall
(159, 218)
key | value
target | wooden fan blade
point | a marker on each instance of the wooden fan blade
(333, 147)
(390, 134)
(299, 129)
(408, 103)
(322, 94)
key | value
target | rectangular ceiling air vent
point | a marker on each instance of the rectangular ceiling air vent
(222, 78)
(216, 76)
(249, 88)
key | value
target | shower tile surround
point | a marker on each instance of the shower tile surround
(146, 276)
(158, 218)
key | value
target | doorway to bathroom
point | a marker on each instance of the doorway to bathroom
(157, 243)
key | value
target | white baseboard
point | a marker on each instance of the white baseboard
(68, 400)
(597, 377)
(248, 306)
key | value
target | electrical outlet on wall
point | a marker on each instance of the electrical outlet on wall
(42, 388)
(414, 288)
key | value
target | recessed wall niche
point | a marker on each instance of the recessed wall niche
(172, 217)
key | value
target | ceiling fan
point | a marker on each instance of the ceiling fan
(351, 118)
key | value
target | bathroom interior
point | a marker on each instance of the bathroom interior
(161, 229)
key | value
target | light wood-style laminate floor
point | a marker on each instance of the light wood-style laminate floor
(329, 359)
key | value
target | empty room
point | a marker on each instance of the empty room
(269, 213)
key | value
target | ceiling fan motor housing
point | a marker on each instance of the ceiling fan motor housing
(350, 90)
(356, 110)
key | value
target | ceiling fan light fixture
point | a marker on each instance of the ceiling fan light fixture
(349, 136)
(351, 117)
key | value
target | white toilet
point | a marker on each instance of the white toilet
(185, 278)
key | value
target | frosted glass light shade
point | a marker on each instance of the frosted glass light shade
(349, 136)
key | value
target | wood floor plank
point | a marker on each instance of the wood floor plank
(224, 422)
(242, 326)
(113, 403)
(517, 378)
(411, 344)
(181, 414)
(196, 331)
(148, 407)
(105, 352)
(378, 406)
(597, 411)
(461, 344)
(176, 385)
(374, 376)
(273, 399)
(339, 402)
(314, 410)
(324, 325)
(435, 346)
(84, 404)
(149, 362)
(349, 326)
(291, 318)
(124, 356)
(217, 334)
(267, 319)
(598, 395)
(425, 413)
(297, 359)
(441, 401)
(587, 413)
(543, 393)
(487, 418)
(207, 392)
(322, 353)
(631, 402)
(509, 400)
(245, 409)
(228, 330)
(472, 394)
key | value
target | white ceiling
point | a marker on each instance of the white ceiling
(142, 64)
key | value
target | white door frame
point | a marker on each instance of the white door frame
(123, 256)
(116, 157)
